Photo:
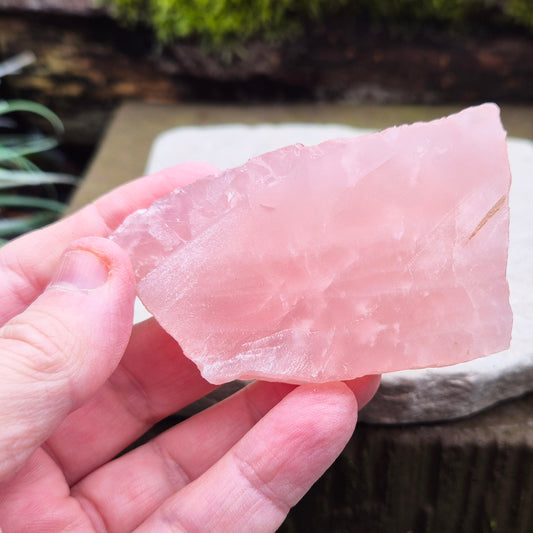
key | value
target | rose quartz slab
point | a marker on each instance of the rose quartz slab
(308, 264)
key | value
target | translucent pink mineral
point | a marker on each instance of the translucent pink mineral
(357, 256)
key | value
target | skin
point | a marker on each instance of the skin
(79, 383)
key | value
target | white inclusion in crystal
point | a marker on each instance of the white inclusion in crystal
(367, 331)
(363, 309)
(233, 197)
(399, 230)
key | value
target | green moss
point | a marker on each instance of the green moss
(521, 11)
(223, 21)
(218, 22)
(451, 12)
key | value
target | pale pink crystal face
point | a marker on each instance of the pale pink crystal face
(357, 256)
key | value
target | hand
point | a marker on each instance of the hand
(78, 384)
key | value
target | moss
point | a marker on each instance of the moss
(521, 11)
(223, 21)
(218, 22)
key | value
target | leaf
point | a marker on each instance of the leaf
(9, 159)
(32, 107)
(15, 200)
(17, 225)
(21, 145)
(19, 178)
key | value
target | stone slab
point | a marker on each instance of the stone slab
(415, 395)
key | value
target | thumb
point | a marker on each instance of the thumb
(63, 347)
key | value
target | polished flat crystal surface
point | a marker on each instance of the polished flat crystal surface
(357, 256)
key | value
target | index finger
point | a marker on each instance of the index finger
(27, 263)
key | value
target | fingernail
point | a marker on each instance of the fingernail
(82, 270)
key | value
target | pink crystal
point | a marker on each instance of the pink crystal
(357, 256)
